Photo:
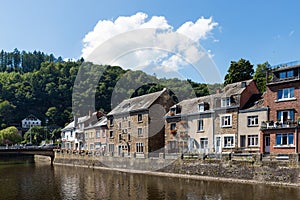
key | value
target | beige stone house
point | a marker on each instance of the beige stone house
(95, 136)
(189, 126)
(232, 98)
(136, 125)
(249, 124)
(208, 124)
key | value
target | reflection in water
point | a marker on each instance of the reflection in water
(44, 182)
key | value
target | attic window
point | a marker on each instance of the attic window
(175, 109)
(244, 84)
(201, 107)
(225, 102)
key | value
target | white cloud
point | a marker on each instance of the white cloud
(106, 29)
(167, 49)
(198, 30)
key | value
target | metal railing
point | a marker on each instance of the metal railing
(278, 125)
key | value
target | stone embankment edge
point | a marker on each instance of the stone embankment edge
(185, 176)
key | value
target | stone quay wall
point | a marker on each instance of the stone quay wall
(228, 168)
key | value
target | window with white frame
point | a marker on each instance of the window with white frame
(226, 120)
(252, 140)
(97, 145)
(201, 107)
(111, 148)
(98, 134)
(200, 125)
(139, 147)
(284, 139)
(285, 94)
(103, 133)
(91, 146)
(140, 117)
(173, 145)
(203, 143)
(140, 132)
(225, 102)
(252, 120)
(228, 141)
(285, 115)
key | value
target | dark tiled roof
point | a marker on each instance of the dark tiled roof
(191, 105)
(137, 103)
(254, 102)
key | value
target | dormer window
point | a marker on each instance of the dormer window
(286, 74)
(175, 110)
(225, 102)
(111, 121)
(201, 107)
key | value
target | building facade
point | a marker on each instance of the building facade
(72, 135)
(136, 125)
(208, 124)
(249, 124)
(280, 134)
(31, 121)
(95, 136)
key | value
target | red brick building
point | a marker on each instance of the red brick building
(281, 133)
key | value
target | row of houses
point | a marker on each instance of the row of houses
(235, 119)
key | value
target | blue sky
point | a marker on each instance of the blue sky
(256, 30)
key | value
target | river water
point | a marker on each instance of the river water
(23, 179)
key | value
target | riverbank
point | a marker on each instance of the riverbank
(278, 173)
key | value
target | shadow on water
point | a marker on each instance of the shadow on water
(32, 181)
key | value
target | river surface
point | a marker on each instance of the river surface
(23, 179)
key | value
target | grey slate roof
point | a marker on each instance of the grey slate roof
(137, 103)
(234, 88)
(189, 106)
(80, 120)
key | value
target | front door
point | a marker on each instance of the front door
(267, 143)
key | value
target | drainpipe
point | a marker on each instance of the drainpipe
(296, 131)
(213, 131)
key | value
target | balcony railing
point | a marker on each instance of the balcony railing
(278, 125)
(277, 80)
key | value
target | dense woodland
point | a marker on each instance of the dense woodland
(41, 84)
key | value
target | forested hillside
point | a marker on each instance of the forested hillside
(40, 84)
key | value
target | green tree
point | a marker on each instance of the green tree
(260, 76)
(6, 112)
(239, 71)
(37, 135)
(10, 135)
